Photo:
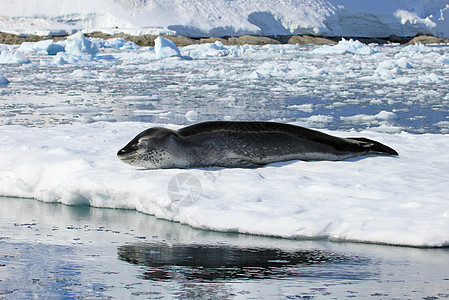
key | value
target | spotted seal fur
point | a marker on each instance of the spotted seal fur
(240, 144)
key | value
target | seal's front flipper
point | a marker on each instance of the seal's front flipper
(374, 147)
(244, 163)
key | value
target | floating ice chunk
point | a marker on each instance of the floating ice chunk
(345, 46)
(16, 57)
(60, 60)
(82, 170)
(303, 107)
(192, 115)
(362, 118)
(63, 58)
(78, 44)
(443, 124)
(229, 101)
(359, 118)
(116, 43)
(119, 43)
(430, 78)
(404, 63)
(319, 119)
(165, 48)
(216, 49)
(47, 46)
(387, 70)
(386, 115)
(3, 79)
(256, 75)
(84, 74)
(166, 115)
(418, 48)
(26, 47)
(386, 129)
(42, 47)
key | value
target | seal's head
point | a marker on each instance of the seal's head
(149, 149)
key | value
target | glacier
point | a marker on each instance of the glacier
(205, 18)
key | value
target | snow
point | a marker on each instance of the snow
(228, 18)
(63, 118)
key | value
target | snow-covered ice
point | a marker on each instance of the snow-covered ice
(395, 200)
(64, 117)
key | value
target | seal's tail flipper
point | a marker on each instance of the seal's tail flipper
(374, 147)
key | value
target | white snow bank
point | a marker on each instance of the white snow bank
(380, 18)
(395, 200)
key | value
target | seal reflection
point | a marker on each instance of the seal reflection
(220, 262)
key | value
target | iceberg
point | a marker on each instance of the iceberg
(78, 44)
(165, 48)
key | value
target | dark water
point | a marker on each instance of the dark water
(53, 251)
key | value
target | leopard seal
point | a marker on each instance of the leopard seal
(240, 144)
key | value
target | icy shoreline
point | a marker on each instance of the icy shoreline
(148, 39)
(400, 201)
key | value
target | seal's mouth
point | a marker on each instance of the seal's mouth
(126, 156)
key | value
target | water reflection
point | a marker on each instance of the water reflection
(54, 251)
(222, 262)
